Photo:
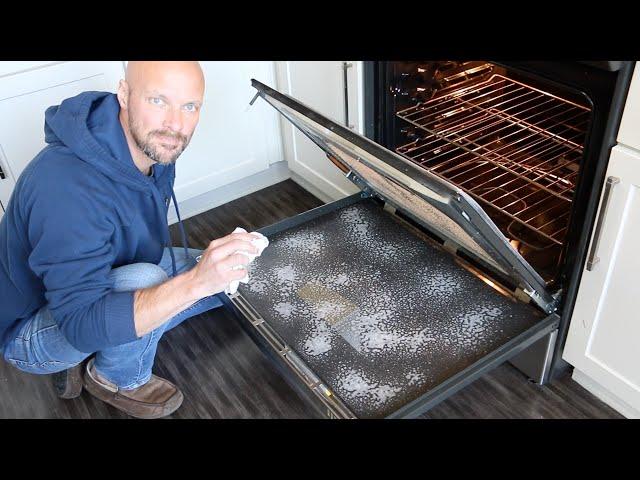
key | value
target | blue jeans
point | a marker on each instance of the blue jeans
(41, 348)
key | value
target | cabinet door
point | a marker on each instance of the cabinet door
(629, 133)
(232, 140)
(24, 97)
(321, 86)
(603, 342)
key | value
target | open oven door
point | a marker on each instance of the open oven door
(356, 305)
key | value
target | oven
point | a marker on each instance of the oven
(479, 183)
(530, 141)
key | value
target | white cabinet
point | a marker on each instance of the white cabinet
(232, 140)
(603, 342)
(27, 89)
(629, 133)
(321, 86)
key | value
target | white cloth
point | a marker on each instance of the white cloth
(260, 242)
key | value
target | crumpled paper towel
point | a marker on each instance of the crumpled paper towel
(261, 242)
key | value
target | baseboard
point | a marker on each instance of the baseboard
(276, 173)
(312, 189)
(607, 397)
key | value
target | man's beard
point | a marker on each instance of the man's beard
(151, 150)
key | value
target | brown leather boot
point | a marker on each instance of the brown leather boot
(156, 398)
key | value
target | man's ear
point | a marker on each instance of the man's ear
(123, 94)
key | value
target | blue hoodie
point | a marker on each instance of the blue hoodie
(80, 208)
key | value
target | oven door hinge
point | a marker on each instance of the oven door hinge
(366, 190)
(255, 97)
(548, 307)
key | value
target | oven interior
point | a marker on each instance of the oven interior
(512, 142)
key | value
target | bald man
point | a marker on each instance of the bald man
(88, 279)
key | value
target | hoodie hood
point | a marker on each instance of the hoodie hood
(89, 125)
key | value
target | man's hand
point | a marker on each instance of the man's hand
(216, 271)
(155, 305)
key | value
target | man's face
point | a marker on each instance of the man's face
(163, 114)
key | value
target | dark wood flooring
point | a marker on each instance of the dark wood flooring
(224, 375)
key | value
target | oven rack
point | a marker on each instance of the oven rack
(508, 145)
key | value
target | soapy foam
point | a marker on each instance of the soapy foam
(357, 386)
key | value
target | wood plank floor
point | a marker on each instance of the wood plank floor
(223, 374)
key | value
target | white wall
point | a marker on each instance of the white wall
(232, 140)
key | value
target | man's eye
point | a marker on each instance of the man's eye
(156, 101)
(190, 107)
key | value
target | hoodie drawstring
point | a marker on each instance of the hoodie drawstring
(173, 258)
(182, 233)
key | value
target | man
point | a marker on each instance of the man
(85, 266)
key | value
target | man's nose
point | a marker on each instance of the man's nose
(173, 120)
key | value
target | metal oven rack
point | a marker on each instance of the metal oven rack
(508, 145)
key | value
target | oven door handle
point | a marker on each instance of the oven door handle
(345, 67)
(593, 255)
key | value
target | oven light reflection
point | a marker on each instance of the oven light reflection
(497, 287)
(488, 282)
(491, 284)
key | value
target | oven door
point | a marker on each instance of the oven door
(431, 201)
(376, 319)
